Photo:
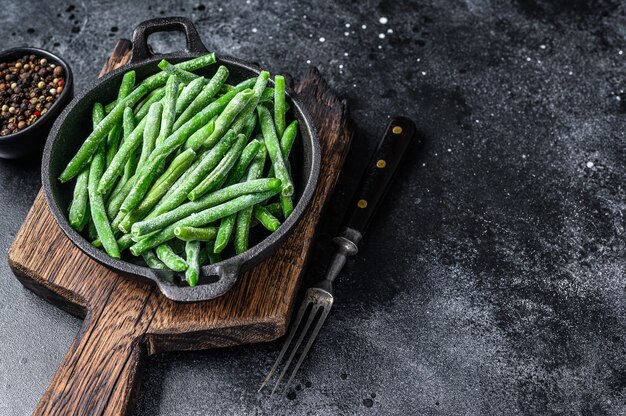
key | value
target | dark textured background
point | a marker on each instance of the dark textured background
(491, 284)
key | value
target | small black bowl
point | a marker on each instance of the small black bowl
(33, 137)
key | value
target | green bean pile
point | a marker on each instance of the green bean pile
(175, 168)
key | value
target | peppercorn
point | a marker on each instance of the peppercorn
(29, 87)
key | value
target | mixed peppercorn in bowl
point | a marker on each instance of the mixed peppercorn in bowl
(35, 85)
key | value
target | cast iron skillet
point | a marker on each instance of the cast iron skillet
(74, 124)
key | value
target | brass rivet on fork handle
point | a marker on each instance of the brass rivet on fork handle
(318, 300)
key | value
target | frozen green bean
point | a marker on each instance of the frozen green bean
(153, 261)
(195, 233)
(129, 124)
(192, 252)
(96, 202)
(279, 104)
(172, 260)
(113, 139)
(188, 94)
(79, 206)
(198, 138)
(274, 151)
(155, 97)
(169, 109)
(151, 132)
(248, 154)
(159, 79)
(265, 218)
(224, 232)
(244, 216)
(182, 75)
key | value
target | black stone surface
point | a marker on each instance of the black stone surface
(492, 282)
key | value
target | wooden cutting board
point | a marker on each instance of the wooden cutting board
(126, 320)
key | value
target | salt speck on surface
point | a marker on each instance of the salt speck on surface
(528, 59)
(589, 165)
(380, 46)
(364, 27)
(383, 20)
(322, 39)
(353, 85)
(423, 72)
(308, 61)
(340, 66)
(389, 30)
(346, 33)
(542, 46)
(345, 54)
(523, 156)
(254, 30)
(347, 24)
(621, 52)
(220, 9)
(381, 35)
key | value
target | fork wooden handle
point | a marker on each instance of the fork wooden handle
(378, 176)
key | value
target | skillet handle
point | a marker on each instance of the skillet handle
(226, 272)
(141, 50)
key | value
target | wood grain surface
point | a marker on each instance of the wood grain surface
(126, 319)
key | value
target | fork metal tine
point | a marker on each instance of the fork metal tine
(308, 345)
(315, 308)
(283, 351)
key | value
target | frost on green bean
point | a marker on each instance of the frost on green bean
(192, 252)
(153, 261)
(78, 207)
(279, 104)
(195, 233)
(173, 261)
